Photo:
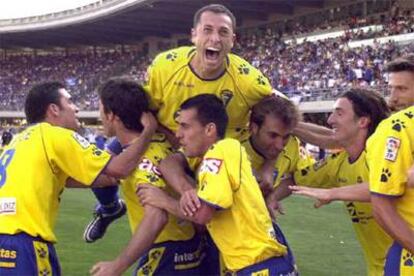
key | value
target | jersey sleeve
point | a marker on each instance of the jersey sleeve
(389, 158)
(154, 82)
(71, 153)
(319, 175)
(214, 180)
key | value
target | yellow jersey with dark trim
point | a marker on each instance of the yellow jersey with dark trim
(33, 172)
(292, 158)
(337, 171)
(241, 227)
(390, 155)
(147, 172)
(171, 81)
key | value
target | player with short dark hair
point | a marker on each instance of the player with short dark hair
(207, 67)
(52, 155)
(232, 205)
(154, 231)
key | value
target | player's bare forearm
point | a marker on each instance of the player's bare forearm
(170, 135)
(358, 192)
(122, 165)
(387, 216)
(282, 190)
(146, 233)
(154, 196)
(173, 171)
(316, 135)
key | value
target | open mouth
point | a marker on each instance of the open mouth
(212, 54)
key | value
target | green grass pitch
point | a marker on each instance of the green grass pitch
(322, 240)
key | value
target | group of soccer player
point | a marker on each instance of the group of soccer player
(201, 178)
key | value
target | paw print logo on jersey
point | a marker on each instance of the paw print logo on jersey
(305, 171)
(41, 252)
(172, 56)
(352, 212)
(385, 175)
(152, 178)
(261, 80)
(408, 259)
(243, 69)
(397, 125)
(44, 272)
(334, 155)
(409, 114)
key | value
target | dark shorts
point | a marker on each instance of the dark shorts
(21, 254)
(399, 261)
(173, 258)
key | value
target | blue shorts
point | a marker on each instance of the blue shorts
(399, 261)
(21, 254)
(173, 258)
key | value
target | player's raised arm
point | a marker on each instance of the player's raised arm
(122, 164)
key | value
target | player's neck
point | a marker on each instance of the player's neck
(354, 148)
(204, 73)
(126, 136)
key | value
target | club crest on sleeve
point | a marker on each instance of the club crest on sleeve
(81, 140)
(211, 165)
(391, 148)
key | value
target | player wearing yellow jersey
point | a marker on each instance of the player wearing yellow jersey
(208, 67)
(274, 152)
(51, 155)
(159, 239)
(356, 115)
(390, 155)
(232, 206)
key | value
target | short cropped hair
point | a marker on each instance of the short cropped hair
(214, 8)
(39, 98)
(401, 64)
(209, 109)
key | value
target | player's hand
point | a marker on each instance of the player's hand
(105, 269)
(189, 202)
(411, 177)
(322, 196)
(149, 194)
(149, 122)
(274, 206)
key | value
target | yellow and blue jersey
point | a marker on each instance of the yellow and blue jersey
(241, 226)
(337, 171)
(390, 155)
(33, 172)
(147, 172)
(292, 158)
(172, 81)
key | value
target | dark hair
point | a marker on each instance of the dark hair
(281, 108)
(368, 103)
(405, 63)
(210, 109)
(6, 138)
(214, 8)
(39, 98)
(126, 99)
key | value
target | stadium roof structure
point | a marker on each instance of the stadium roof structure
(157, 18)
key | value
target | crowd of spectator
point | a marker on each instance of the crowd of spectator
(297, 69)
